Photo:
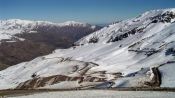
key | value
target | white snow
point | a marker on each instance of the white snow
(168, 78)
(100, 94)
(112, 57)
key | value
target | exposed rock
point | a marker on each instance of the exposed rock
(81, 76)
(125, 35)
(147, 52)
(93, 40)
(155, 79)
(165, 17)
(170, 51)
(43, 81)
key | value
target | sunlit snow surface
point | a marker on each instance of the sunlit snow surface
(101, 94)
(112, 57)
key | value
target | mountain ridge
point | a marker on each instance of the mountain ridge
(137, 52)
(21, 36)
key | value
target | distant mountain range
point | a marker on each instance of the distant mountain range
(23, 40)
(138, 52)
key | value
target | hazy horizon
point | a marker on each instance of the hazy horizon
(89, 11)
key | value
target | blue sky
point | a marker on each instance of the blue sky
(91, 11)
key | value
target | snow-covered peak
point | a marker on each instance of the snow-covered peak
(159, 11)
(137, 24)
(28, 22)
(153, 13)
(10, 27)
(73, 23)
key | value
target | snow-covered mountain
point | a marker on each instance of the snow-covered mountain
(24, 36)
(8, 28)
(138, 52)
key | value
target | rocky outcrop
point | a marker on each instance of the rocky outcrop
(80, 73)
(170, 51)
(125, 35)
(93, 40)
(147, 52)
(164, 18)
(155, 78)
(43, 81)
(84, 77)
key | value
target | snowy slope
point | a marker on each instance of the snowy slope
(8, 28)
(123, 54)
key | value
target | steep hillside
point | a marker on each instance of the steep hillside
(23, 40)
(138, 52)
